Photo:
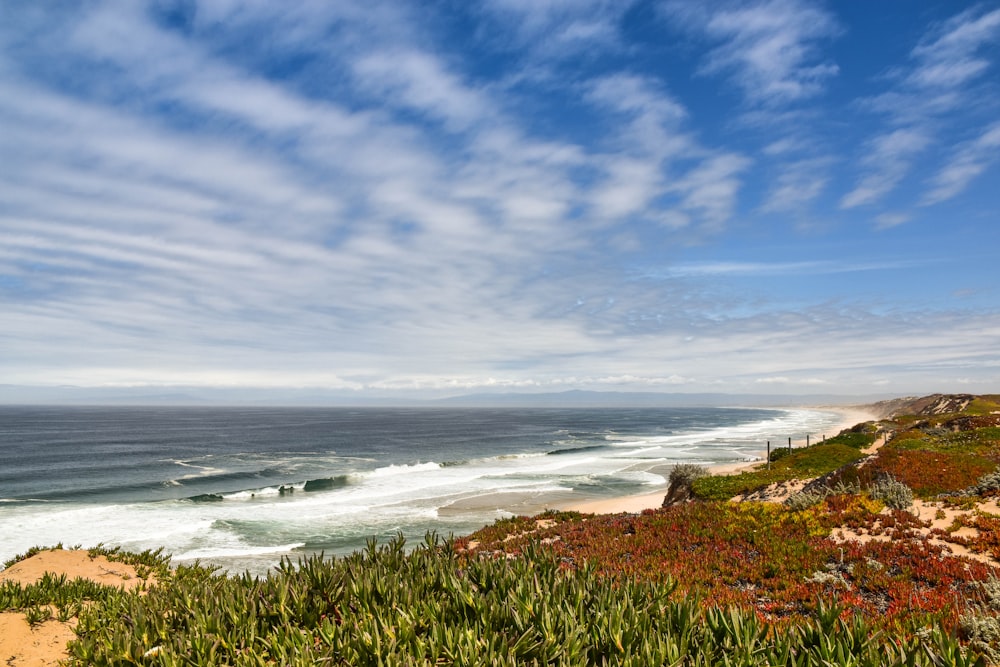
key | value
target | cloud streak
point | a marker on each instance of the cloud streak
(942, 78)
(967, 163)
(768, 48)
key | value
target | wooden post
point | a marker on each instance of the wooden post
(768, 454)
(807, 439)
(789, 444)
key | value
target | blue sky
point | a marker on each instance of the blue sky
(417, 199)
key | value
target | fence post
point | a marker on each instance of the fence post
(768, 454)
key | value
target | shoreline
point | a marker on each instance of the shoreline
(462, 512)
(849, 417)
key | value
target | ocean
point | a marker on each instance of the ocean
(241, 488)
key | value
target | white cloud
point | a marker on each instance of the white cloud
(797, 185)
(947, 56)
(807, 267)
(629, 93)
(769, 47)
(658, 158)
(654, 119)
(710, 189)
(967, 163)
(940, 83)
(307, 235)
(629, 186)
(558, 29)
(419, 81)
(945, 66)
(888, 220)
(781, 379)
(473, 383)
(889, 159)
(787, 145)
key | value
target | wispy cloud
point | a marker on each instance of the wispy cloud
(774, 52)
(709, 191)
(797, 185)
(967, 163)
(888, 220)
(633, 94)
(657, 157)
(769, 48)
(945, 69)
(887, 162)
(556, 29)
(810, 267)
(948, 55)
(783, 379)
(418, 81)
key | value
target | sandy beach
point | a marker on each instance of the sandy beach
(850, 416)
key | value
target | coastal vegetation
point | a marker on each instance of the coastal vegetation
(435, 606)
(788, 464)
(888, 556)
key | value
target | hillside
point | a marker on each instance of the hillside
(896, 520)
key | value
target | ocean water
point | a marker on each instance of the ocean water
(243, 487)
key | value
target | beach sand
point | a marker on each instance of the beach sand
(850, 416)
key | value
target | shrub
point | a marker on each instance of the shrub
(685, 474)
(803, 500)
(988, 483)
(980, 625)
(778, 454)
(893, 493)
(682, 477)
(813, 495)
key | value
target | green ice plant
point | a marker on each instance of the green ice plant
(66, 595)
(388, 605)
(36, 614)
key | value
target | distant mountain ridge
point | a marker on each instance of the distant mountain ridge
(584, 398)
(201, 396)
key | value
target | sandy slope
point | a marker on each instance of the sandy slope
(45, 644)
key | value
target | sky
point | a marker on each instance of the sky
(410, 199)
